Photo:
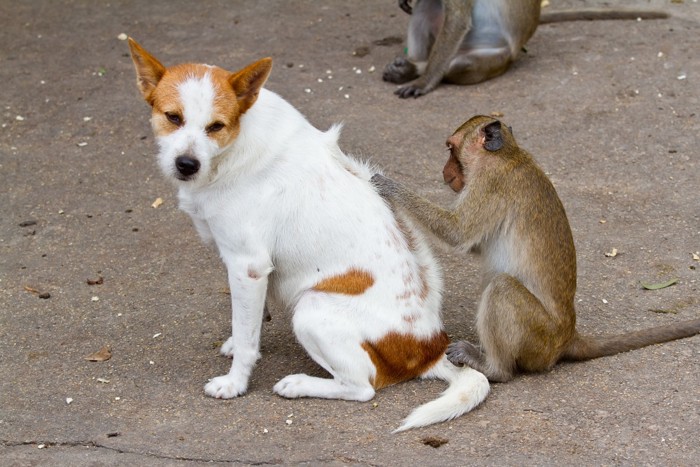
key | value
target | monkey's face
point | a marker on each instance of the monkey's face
(453, 173)
(475, 140)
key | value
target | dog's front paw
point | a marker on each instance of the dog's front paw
(225, 387)
(291, 386)
(227, 348)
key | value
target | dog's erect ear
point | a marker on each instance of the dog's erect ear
(148, 70)
(248, 82)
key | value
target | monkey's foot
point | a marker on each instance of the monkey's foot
(400, 71)
(465, 353)
(419, 87)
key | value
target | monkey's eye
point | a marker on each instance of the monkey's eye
(214, 127)
(173, 118)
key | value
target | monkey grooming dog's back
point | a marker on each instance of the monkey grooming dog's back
(508, 211)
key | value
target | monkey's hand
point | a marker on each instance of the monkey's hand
(400, 71)
(386, 187)
(405, 5)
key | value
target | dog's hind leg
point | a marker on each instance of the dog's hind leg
(334, 343)
(302, 385)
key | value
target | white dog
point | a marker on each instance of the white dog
(297, 222)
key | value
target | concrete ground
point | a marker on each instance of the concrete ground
(611, 110)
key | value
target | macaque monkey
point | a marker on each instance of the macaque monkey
(508, 211)
(470, 41)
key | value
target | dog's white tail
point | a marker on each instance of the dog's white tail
(467, 389)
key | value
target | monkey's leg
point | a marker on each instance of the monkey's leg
(515, 330)
(425, 21)
(478, 64)
(455, 26)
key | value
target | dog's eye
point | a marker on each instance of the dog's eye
(173, 118)
(214, 127)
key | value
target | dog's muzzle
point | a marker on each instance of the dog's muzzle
(186, 166)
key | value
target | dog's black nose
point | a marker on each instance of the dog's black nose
(187, 165)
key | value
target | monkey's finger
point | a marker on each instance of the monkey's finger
(386, 187)
(402, 92)
(405, 92)
(380, 185)
(405, 5)
(377, 179)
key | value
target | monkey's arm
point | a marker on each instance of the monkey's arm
(457, 24)
(443, 223)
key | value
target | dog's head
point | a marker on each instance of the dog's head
(196, 110)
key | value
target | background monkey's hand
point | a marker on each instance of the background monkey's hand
(405, 5)
(386, 187)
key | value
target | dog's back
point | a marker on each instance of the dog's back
(320, 217)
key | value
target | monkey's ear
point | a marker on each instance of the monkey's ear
(493, 139)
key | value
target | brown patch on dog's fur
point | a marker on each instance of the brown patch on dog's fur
(416, 283)
(400, 357)
(352, 282)
(410, 319)
(423, 290)
(396, 238)
(405, 229)
(405, 296)
(424, 287)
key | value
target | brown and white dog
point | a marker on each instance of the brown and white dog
(297, 222)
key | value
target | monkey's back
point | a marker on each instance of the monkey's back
(541, 239)
(495, 23)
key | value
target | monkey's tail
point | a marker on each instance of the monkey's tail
(600, 14)
(467, 389)
(587, 348)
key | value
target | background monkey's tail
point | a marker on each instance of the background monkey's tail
(467, 389)
(599, 14)
(587, 348)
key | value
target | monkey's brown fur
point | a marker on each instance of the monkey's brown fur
(470, 41)
(509, 211)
